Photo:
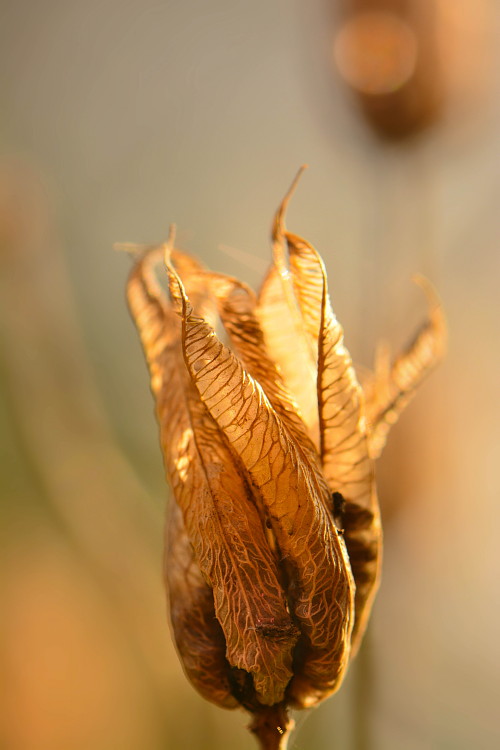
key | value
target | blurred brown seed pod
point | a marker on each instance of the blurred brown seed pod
(387, 52)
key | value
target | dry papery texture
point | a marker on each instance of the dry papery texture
(274, 538)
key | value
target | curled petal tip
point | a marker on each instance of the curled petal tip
(437, 315)
(436, 311)
(429, 290)
(169, 245)
(172, 231)
(136, 249)
(279, 218)
(139, 250)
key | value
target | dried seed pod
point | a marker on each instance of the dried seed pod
(274, 540)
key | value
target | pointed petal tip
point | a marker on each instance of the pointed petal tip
(168, 246)
(428, 288)
(172, 231)
(436, 311)
(135, 249)
(139, 250)
(279, 219)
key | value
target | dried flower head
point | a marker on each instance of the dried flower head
(274, 538)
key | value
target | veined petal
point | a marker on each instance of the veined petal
(392, 387)
(220, 517)
(237, 309)
(344, 446)
(237, 306)
(285, 337)
(197, 632)
(320, 586)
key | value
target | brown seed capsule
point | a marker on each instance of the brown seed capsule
(274, 539)
(387, 52)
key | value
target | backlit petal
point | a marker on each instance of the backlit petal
(314, 556)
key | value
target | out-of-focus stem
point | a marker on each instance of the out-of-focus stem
(363, 695)
(272, 727)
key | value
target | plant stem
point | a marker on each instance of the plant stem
(363, 695)
(272, 727)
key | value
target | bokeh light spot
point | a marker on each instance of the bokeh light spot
(375, 52)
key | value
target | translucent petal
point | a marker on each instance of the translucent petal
(344, 448)
(286, 340)
(237, 306)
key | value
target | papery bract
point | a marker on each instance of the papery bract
(274, 538)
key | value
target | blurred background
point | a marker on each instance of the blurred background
(118, 117)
